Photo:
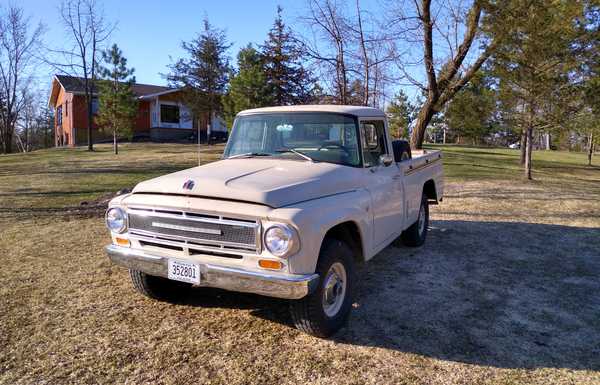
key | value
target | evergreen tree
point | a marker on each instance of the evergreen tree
(204, 75)
(248, 87)
(400, 113)
(470, 113)
(535, 61)
(117, 108)
(288, 80)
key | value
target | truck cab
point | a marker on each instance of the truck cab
(301, 196)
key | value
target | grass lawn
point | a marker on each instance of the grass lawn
(505, 291)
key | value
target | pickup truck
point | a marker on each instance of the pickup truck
(301, 196)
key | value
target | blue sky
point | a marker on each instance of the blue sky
(151, 31)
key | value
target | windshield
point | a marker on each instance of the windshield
(322, 137)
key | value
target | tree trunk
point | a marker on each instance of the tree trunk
(524, 142)
(90, 118)
(115, 144)
(209, 127)
(423, 119)
(528, 151)
(199, 124)
(590, 148)
(7, 141)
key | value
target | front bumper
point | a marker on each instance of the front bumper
(234, 279)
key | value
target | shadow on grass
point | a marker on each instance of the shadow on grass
(508, 295)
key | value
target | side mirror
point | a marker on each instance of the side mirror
(386, 160)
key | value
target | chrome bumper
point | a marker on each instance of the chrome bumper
(234, 279)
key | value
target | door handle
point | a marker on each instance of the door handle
(396, 177)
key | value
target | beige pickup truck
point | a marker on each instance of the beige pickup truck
(301, 196)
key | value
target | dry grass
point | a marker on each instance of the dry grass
(503, 292)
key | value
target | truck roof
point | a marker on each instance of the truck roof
(359, 111)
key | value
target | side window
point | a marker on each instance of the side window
(373, 141)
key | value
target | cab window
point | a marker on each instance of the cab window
(373, 142)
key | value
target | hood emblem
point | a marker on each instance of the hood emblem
(188, 185)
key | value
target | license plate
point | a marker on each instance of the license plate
(184, 271)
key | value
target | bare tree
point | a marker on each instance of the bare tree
(18, 45)
(445, 36)
(87, 31)
(349, 47)
(328, 25)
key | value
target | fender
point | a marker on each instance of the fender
(316, 217)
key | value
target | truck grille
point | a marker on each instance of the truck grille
(190, 230)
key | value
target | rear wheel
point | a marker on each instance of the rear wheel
(323, 312)
(158, 288)
(415, 235)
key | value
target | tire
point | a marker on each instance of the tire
(313, 314)
(415, 235)
(158, 288)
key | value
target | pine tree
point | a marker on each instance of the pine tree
(289, 82)
(401, 113)
(204, 75)
(117, 104)
(534, 62)
(471, 111)
(248, 87)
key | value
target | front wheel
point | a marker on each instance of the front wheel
(415, 235)
(323, 312)
(158, 288)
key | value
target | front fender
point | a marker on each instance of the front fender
(314, 218)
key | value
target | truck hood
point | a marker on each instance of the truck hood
(274, 182)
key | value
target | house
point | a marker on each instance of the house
(161, 114)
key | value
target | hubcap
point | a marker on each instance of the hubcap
(334, 289)
(422, 219)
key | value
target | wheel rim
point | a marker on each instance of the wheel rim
(334, 289)
(422, 219)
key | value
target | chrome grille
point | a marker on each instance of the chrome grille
(190, 230)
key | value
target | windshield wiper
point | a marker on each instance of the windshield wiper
(249, 155)
(294, 151)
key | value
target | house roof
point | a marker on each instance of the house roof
(76, 85)
(359, 111)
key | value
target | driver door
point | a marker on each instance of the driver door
(383, 182)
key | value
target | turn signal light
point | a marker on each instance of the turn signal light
(270, 264)
(122, 242)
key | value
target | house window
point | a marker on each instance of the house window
(169, 113)
(59, 115)
(94, 106)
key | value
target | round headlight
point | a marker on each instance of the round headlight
(278, 240)
(116, 220)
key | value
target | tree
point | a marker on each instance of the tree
(469, 114)
(349, 48)
(288, 80)
(19, 43)
(451, 28)
(590, 70)
(400, 115)
(535, 63)
(330, 50)
(117, 104)
(248, 87)
(87, 30)
(204, 75)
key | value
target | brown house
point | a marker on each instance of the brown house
(161, 114)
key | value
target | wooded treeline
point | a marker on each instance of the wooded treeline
(480, 71)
